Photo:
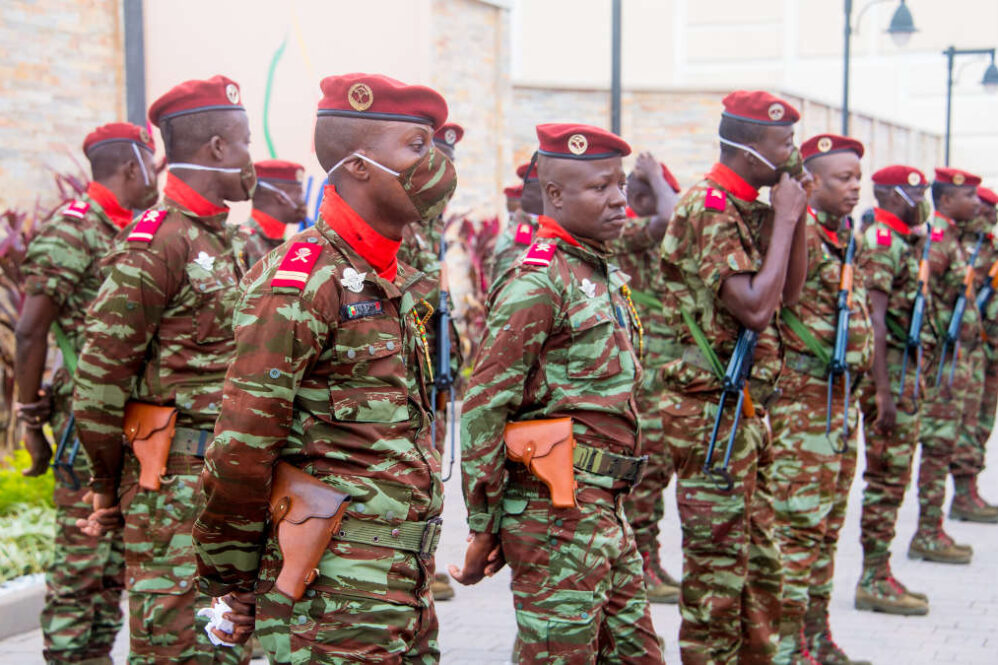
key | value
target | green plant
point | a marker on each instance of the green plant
(17, 491)
(26, 540)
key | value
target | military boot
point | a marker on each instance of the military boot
(939, 547)
(790, 649)
(440, 587)
(659, 585)
(878, 591)
(968, 505)
(818, 637)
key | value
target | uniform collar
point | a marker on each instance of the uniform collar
(376, 249)
(271, 227)
(548, 228)
(190, 202)
(891, 221)
(829, 225)
(732, 183)
(108, 202)
(948, 220)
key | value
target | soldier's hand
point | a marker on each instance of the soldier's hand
(40, 451)
(105, 517)
(35, 413)
(242, 616)
(887, 414)
(789, 200)
(645, 167)
(484, 558)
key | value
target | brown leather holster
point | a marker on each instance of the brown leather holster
(546, 448)
(149, 431)
(305, 513)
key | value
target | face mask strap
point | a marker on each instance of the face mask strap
(278, 191)
(142, 164)
(751, 151)
(366, 159)
(183, 166)
(904, 195)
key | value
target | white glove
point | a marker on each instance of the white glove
(215, 620)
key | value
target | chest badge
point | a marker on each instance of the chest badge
(353, 280)
(205, 261)
(588, 288)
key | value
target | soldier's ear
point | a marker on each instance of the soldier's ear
(216, 147)
(357, 168)
(552, 193)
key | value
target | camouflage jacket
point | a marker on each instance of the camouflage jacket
(254, 242)
(160, 330)
(558, 343)
(889, 264)
(948, 262)
(817, 307)
(329, 374)
(513, 241)
(639, 256)
(420, 247)
(714, 235)
(986, 262)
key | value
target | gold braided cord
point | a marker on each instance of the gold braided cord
(626, 291)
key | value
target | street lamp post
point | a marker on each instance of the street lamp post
(990, 81)
(615, 68)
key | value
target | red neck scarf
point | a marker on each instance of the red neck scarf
(891, 220)
(272, 228)
(373, 247)
(106, 199)
(946, 219)
(732, 183)
(832, 235)
(179, 191)
(548, 228)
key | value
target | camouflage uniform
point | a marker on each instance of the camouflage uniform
(811, 480)
(730, 593)
(160, 332)
(558, 345)
(889, 264)
(330, 374)
(254, 242)
(420, 247)
(948, 411)
(512, 242)
(639, 256)
(82, 613)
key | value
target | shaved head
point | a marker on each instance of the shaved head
(337, 136)
(184, 135)
(106, 159)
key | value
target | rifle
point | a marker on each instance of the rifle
(914, 341)
(838, 365)
(733, 384)
(988, 290)
(952, 338)
(66, 452)
(443, 380)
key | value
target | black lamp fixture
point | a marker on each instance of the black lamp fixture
(902, 25)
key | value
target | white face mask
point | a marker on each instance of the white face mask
(182, 166)
(755, 153)
(142, 164)
(280, 192)
(904, 195)
(366, 159)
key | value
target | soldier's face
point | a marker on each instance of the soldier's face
(532, 201)
(836, 182)
(962, 203)
(237, 155)
(776, 144)
(589, 198)
(988, 212)
(397, 145)
(145, 194)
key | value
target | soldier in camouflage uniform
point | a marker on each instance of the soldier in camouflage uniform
(519, 232)
(811, 478)
(968, 461)
(82, 613)
(278, 202)
(728, 261)
(948, 410)
(331, 374)
(889, 265)
(651, 195)
(160, 333)
(558, 344)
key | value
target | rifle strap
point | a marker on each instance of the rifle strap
(703, 344)
(810, 341)
(895, 328)
(68, 352)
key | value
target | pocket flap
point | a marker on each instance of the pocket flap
(535, 438)
(297, 496)
(142, 420)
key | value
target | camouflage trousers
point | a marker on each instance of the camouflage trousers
(949, 421)
(645, 505)
(731, 585)
(160, 569)
(970, 452)
(578, 586)
(888, 465)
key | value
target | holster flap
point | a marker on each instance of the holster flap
(531, 439)
(296, 496)
(143, 420)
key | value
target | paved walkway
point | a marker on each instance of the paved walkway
(477, 626)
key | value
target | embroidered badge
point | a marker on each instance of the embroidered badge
(937, 234)
(884, 236)
(296, 265)
(146, 227)
(360, 96)
(206, 261)
(715, 199)
(359, 310)
(77, 209)
(588, 288)
(524, 234)
(540, 254)
(353, 280)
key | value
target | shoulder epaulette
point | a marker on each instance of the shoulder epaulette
(247, 229)
(884, 236)
(715, 199)
(296, 265)
(937, 234)
(77, 209)
(148, 224)
(540, 253)
(524, 234)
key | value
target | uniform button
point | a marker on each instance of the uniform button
(553, 541)
(202, 287)
(131, 580)
(130, 306)
(310, 593)
(211, 406)
(519, 605)
(183, 584)
(390, 346)
(585, 615)
(274, 373)
(506, 327)
(360, 508)
(351, 354)
(557, 522)
(371, 350)
(312, 240)
(302, 620)
(390, 515)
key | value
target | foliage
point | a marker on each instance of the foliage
(26, 541)
(16, 491)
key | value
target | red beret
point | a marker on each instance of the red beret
(521, 171)
(513, 192)
(987, 195)
(826, 144)
(379, 97)
(957, 177)
(219, 93)
(760, 107)
(451, 133)
(571, 141)
(276, 169)
(669, 178)
(899, 174)
(116, 132)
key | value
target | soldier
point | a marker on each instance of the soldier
(559, 338)
(159, 337)
(651, 196)
(278, 201)
(522, 224)
(82, 613)
(949, 409)
(332, 375)
(812, 473)
(513, 195)
(890, 268)
(728, 262)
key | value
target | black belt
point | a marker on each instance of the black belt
(604, 463)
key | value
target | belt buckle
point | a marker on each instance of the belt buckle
(430, 538)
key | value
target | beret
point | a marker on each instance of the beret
(898, 174)
(379, 97)
(521, 171)
(987, 195)
(450, 133)
(277, 169)
(219, 93)
(116, 132)
(513, 191)
(760, 107)
(826, 144)
(957, 177)
(583, 142)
